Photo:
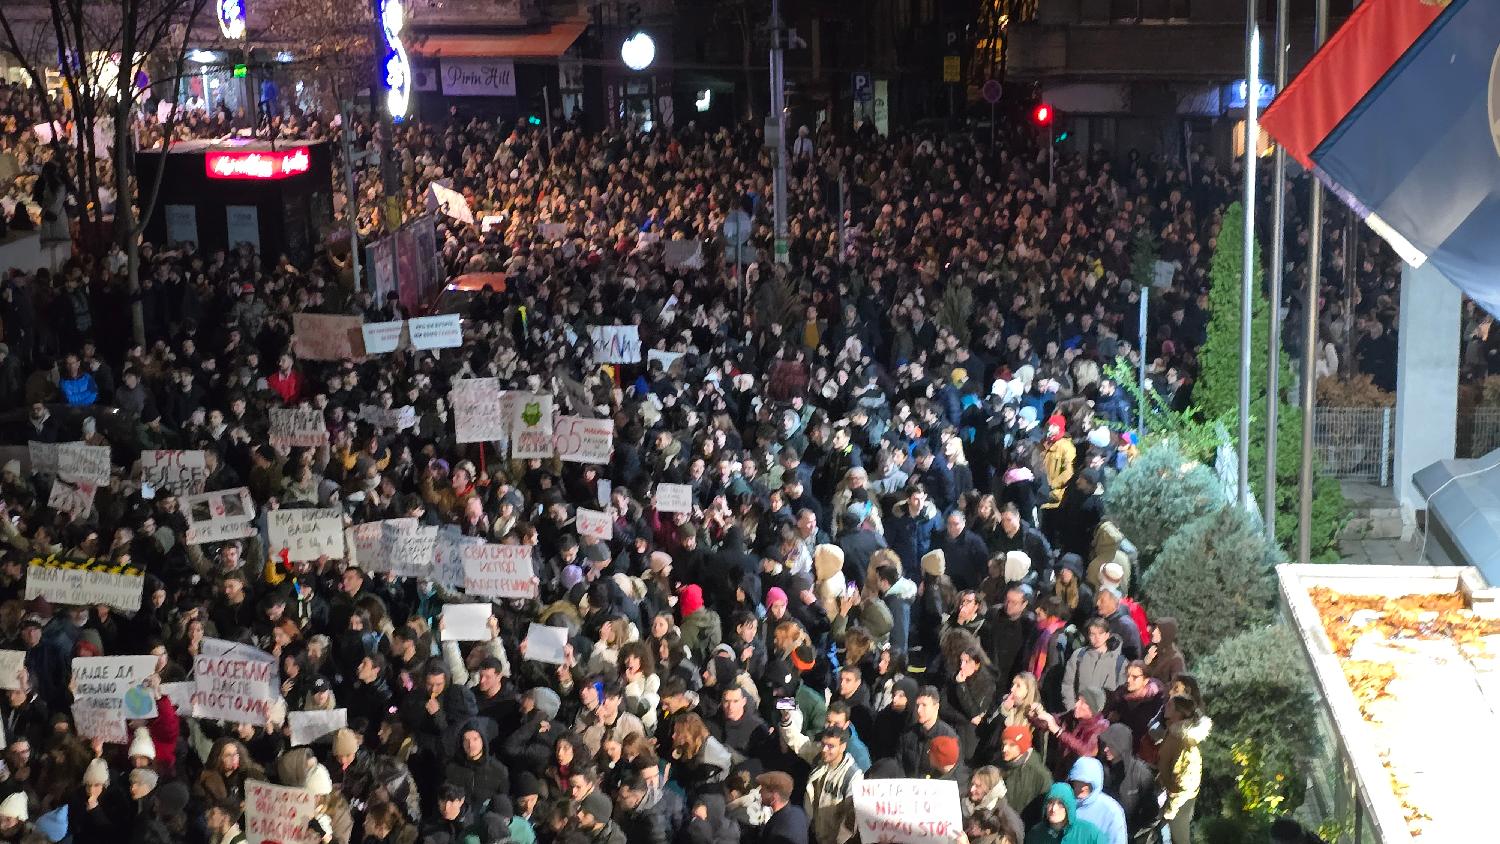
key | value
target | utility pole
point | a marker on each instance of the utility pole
(1310, 339)
(351, 189)
(1278, 269)
(843, 191)
(390, 174)
(1247, 268)
(777, 121)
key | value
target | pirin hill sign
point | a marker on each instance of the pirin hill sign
(479, 77)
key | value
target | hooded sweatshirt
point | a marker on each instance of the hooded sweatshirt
(1168, 661)
(1127, 779)
(1099, 808)
(1073, 831)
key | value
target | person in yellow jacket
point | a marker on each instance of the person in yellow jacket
(1180, 765)
(1058, 457)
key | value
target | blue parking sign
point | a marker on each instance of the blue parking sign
(864, 87)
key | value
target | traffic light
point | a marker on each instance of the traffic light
(1041, 115)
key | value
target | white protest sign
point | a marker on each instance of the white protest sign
(307, 533)
(447, 555)
(109, 689)
(86, 463)
(582, 440)
(476, 410)
(450, 202)
(408, 548)
(362, 546)
(544, 643)
(312, 724)
(531, 427)
(499, 571)
(674, 498)
(443, 331)
(297, 426)
(12, 663)
(219, 516)
(64, 582)
(43, 457)
(594, 524)
(466, 622)
(395, 418)
(666, 359)
(181, 695)
(604, 488)
(908, 811)
(234, 682)
(275, 814)
(383, 337)
(615, 343)
(77, 500)
(181, 472)
(105, 723)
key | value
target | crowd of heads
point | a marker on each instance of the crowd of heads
(895, 561)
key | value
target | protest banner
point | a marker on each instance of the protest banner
(394, 418)
(275, 814)
(408, 547)
(476, 410)
(179, 472)
(63, 580)
(43, 457)
(683, 254)
(219, 516)
(466, 622)
(594, 524)
(77, 500)
(531, 426)
(363, 548)
(666, 359)
(309, 725)
(450, 202)
(544, 643)
(306, 533)
(298, 426)
(12, 663)
(383, 337)
(908, 811)
(499, 571)
(109, 689)
(444, 331)
(234, 682)
(447, 555)
(181, 695)
(582, 440)
(615, 343)
(674, 498)
(327, 337)
(83, 463)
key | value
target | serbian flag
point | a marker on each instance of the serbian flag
(1399, 115)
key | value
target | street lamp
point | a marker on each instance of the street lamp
(231, 15)
(396, 67)
(638, 51)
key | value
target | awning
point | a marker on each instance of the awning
(548, 43)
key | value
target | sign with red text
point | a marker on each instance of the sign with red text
(582, 440)
(908, 811)
(179, 472)
(615, 343)
(499, 571)
(531, 426)
(77, 500)
(594, 524)
(234, 682)
(298, 427)
(275, 814)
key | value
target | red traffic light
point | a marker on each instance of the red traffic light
(1042, 115)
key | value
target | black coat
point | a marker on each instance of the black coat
(1008, 642)
(789, 825)
(481, 779)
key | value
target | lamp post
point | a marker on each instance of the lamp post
(1278, 269)
(1247, 268)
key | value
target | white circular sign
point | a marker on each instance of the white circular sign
(638, 51)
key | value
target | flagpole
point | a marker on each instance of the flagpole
(1278, 268)
(1247, 271)
(1310, 338)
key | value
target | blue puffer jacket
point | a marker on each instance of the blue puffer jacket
(80, 391)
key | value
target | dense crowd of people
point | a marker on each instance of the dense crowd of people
(897, 562)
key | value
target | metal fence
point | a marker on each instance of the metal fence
(1357, 442)
(1478, 432)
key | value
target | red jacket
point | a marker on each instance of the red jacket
(288, 386)
(164, 730)
(1138, 615)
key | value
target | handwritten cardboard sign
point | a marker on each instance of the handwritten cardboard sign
(582, 440)
(298, 426)
(180, 472)
(908, 810)
(476, 410)
(499, 571)
(219, 516)
(531, 426)
(306, 533)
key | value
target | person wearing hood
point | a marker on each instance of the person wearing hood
(453, 821)
(1180, 769)
(709, 821)
(642, 814)
(891, 722)
(1163, 660)
(700, 629)
(1076, 594)
(473, 769)
(1126, 778)
(1060, 823)
(1094, 806)
(897, 593)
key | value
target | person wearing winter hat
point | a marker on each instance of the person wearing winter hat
(933, 563)
(828, 567)
(13, 813)
(545, 701)
(1025, 774)
(142, 750)
(701, 630)
(54, 824)
(943, 759)
(142, 783)
(1017, 566)
(593, 816)
(319, 782)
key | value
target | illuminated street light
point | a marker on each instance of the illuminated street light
(638, 51)
(396, 65)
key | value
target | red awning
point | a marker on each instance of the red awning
(545, 44)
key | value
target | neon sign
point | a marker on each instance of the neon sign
(231, 18)
(397, 65)
(267, 164)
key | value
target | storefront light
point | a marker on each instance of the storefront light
(397, 65)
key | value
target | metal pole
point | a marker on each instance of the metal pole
(547, 120)
(1310, 339)
(1247, 269)
(843, 188)
(780, 248)
(351, 206)
(1140, 429)
(1278, 269)
(1351, 255)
